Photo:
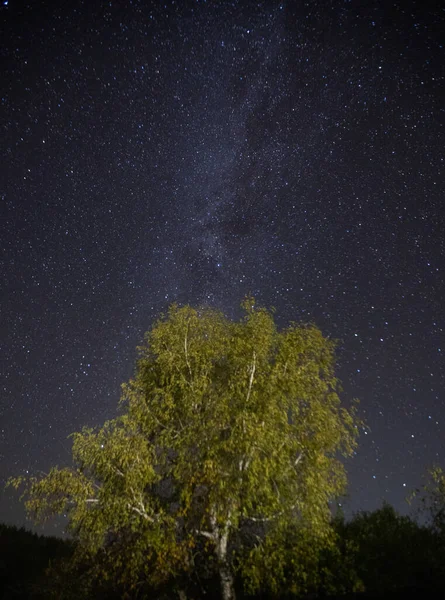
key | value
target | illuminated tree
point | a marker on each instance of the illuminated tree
(229, 433)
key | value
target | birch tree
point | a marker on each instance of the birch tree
(227, 433)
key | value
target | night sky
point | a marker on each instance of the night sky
(196, 152)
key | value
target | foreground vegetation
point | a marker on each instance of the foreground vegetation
(217, 476)
(376, 555)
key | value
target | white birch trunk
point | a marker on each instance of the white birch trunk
(227, 582)
(225, 573)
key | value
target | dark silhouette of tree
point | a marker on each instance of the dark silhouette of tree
(24, 559)
(391, 553)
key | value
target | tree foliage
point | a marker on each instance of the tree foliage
(228, 433)
(390, 552)
(431, 498)
(24, 560)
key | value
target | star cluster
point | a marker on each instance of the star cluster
(198, 151)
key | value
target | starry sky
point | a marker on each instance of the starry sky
(186, 151)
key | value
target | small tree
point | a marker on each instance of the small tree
(229, 433)
(432, 499)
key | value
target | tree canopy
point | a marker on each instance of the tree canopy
(228, 434)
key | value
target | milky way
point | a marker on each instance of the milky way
(199, 151)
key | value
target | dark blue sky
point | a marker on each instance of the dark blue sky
(195, 152)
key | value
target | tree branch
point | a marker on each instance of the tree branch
(187, 354)
(297, 460)
(118, 471)
(244, 463)
(272, 518)
(252, 374)
(206, 534)
(142, 513)
(140, 509)
(262, 519)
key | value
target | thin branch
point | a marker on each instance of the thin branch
(206, 534)
(92, 500)
(142, 513)
(277, 489)
(118, 471)
(158, 421)
(252, 373)
(140, 510)
(212, 519)
(244, 463)
(262, 519)
(187, 355)
(272, 518)
(297, 460)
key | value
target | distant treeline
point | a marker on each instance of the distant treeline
(378, 554)
(25, 558)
